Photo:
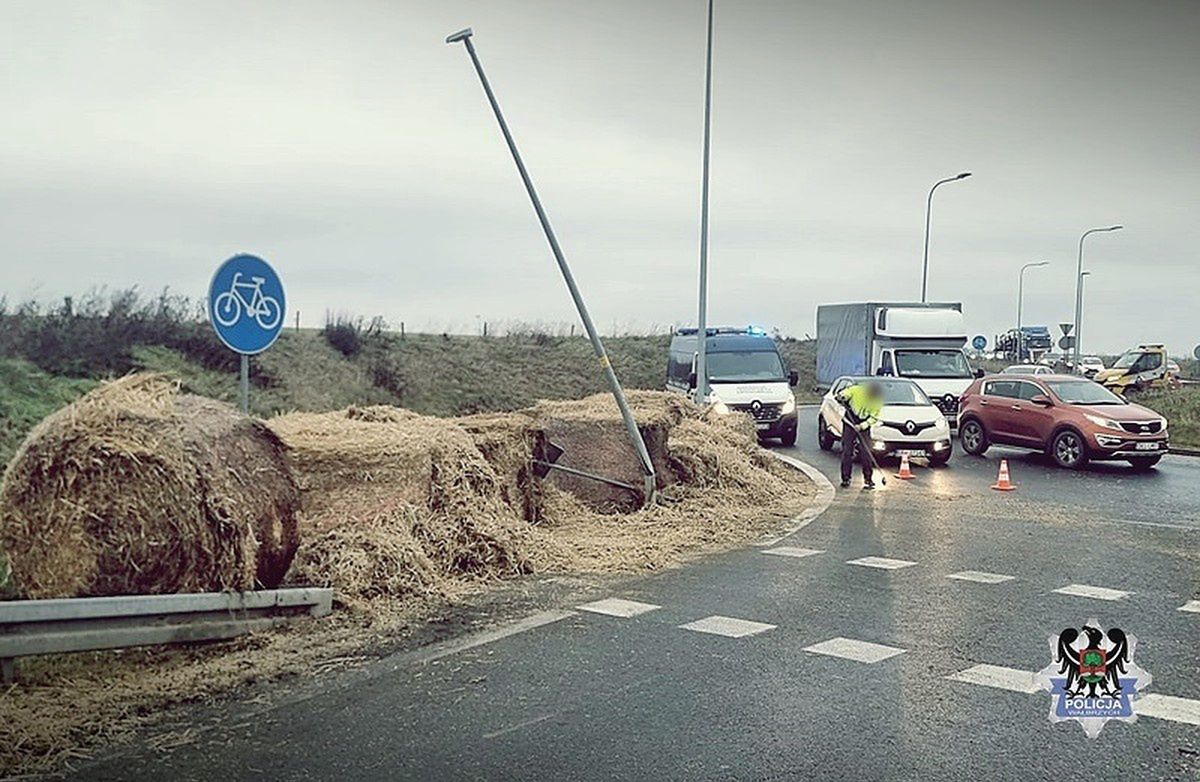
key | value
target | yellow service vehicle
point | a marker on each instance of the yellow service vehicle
(1140, 369)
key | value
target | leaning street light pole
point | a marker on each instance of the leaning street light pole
(1079, 288)
(1020, 302)
(702, 316)
(928, 213)
(649, 483)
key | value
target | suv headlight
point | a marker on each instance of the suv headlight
(789, 405)
(1107, 423)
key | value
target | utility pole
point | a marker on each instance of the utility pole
(649, 480)
(1079, 288)
(702, 316)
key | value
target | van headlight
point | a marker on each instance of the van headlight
(720, 408)
(1107, 423)
(789, 406)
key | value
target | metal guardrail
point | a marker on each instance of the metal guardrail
(34, 627)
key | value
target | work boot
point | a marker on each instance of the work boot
(846, 483)
(868, 484)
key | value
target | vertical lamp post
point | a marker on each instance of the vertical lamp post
(1079, 288)
(1075, 361)
(928, 212)
(635, 436)
(702, 315)
(1020, 302)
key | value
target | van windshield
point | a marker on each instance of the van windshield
(932, 363)
(755, 366)
(1127, 358)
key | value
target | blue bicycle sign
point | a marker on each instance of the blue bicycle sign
(246, 304)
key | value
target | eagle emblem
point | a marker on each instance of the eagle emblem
(1092, 677)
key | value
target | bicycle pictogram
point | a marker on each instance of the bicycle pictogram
(247, 297)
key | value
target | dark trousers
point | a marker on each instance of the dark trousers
(850, 442)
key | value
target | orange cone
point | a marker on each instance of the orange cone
(905, 471)
(1002, 480)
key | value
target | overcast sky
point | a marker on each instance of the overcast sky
(144, 142)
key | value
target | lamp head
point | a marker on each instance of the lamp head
(461, 35)
(963, 175)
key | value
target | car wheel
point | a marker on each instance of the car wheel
(824, 436)
(973, 438)
(1143, 463)
(1068, 450)
(789, 438)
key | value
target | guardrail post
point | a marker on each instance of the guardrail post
(8, 670)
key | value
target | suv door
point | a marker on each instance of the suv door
(1031, 424)
(996, 401)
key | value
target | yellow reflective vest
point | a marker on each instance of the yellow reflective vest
(864, 408)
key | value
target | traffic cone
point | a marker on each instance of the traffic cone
(905, 471)
(1002, 480)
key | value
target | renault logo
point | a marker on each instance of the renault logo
(756, 405)
(910, 427)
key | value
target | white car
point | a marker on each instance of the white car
(1027, 369)
(1091, 365)
(909, 422)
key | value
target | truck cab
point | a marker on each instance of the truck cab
(746, 374)
(1140, 369)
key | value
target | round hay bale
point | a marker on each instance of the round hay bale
(139, 489)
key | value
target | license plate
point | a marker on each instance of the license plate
(910, 452)
(763, 426)
(1146, 447)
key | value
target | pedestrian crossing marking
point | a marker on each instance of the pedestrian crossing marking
(850, 649)
(615, 606)
(1191, 606)
(793, 551)
(881, 563)
(1095, 592)
(980, 577)
(727, 626)
(1168, 707)
(996, 676)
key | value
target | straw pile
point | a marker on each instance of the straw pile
(139, 489)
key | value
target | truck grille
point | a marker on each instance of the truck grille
(1141, 427)
(948, 404)
(759, 411)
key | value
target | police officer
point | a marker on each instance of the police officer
(861, 403)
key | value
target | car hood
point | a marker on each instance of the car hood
(1128, 412)
(919, 414)
(1105, 374)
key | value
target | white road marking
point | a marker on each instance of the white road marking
(518, 726)
(727, 626)
(1168, 707)
(882, 563)
(615, 606)
(996, 676)
(1095, 592)
(1191, 606)
(980, 577)
(859, 651)
(456, 645)
(822, 501)
(793, 551)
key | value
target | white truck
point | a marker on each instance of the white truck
(922, 342)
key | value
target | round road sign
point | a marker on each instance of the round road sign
(979, 342)
(1066, 343)
(246, 304)
(1196, 352)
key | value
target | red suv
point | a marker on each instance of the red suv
(1070, 418)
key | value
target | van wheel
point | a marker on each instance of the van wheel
(1143, 463)
(973, 438)
(824, 436)
(788, 440)
(1068, 450)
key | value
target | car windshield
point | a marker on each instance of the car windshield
(1126, 360)
(1083, 392)
(932, 363)
(758, 365)
(903, 394)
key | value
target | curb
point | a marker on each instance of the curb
(824, 498)
(1184, 451)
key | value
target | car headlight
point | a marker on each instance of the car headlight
(1107, 423)
(789, 405)
(720, 408)
(1164, 425)
(940, 422)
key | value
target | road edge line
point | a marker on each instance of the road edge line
(824, 499)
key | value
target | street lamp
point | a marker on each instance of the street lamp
(1079, 283)
(928, 210)
(1075, 363)
(1020, 301)
(702, 315)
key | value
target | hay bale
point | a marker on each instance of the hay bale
(511, 442)
(138, 489)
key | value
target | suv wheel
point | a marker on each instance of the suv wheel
(788, 438)
(974, 440)
(1068, 450)
(824, 436)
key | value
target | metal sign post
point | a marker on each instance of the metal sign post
(246, 306)
(702, 315)
(649, 480)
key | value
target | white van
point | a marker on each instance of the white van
(746, 374)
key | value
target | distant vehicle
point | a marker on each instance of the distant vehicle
(1089, 366)
(1174, 374)
(1025, 344)
(746, 374)
(1140, 369)
(1027, 369)
(921, 342)
(1071, 419)
(909, 421)
(1050, 359)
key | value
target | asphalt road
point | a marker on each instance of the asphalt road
(573, 694)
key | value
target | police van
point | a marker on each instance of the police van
(746, 374)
